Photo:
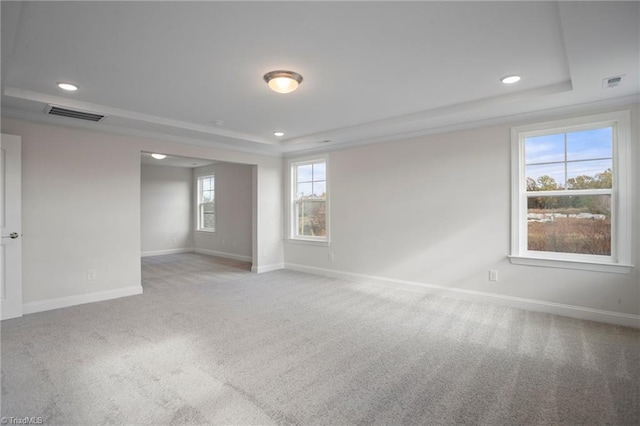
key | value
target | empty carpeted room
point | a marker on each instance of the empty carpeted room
(321, 212)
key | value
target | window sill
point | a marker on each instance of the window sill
(571, 264)
(206, 231)
(317, 243)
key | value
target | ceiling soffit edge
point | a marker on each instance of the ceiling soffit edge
(300, 149)
(514, 119)
(258, 149)
(389, 125)
(130, 115)
(419, 118)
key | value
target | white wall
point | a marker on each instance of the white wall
(81, 210)
(166, 209)
(436, 210)
(233, 212)
(270, 247)
(432, 210)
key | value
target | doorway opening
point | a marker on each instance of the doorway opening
(196, 205)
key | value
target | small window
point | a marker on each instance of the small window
(206, 203)
(571, 192)
(309, 200)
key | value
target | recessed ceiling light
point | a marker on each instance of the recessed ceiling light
(510, 79)
(278, 133)
(283, 81)
(68, 87)
(159, 156)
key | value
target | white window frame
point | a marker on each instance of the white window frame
(621, 196)
(198, 203)
(292, 236)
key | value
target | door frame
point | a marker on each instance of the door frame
(10, 214)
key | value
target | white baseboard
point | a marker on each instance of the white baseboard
(267, 268)
(80, 299)
(224, 254)
(168, 251)
(573, 311)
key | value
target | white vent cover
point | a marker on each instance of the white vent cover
(609, 82)
(74, 113)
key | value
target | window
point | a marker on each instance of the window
(571, 195)
(309, 200)
(206, 203)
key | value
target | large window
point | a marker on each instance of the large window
(571, 193)
(206, 203)
(309, 200)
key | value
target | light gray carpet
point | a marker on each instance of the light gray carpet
(211, 343)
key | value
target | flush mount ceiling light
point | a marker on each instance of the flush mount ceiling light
(510, 79)
(159, 156)
(68, 87)
(283, 81)
(278, 133)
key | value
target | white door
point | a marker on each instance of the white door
(11, 247)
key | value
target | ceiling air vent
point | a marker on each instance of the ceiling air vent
(74, 113)
(610, 82)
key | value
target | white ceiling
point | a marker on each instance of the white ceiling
(372, 70)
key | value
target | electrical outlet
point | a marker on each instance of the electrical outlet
(92, 275)
(493, 275)
(331, 256)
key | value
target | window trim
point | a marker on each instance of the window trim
(621, 196)
(197, 203)
(291, 236)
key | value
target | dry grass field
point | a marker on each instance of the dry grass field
(571, 235)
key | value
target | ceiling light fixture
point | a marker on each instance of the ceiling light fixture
(68, 87)
(510, 79)
(159, 156)
(278, 133)
(283, 81)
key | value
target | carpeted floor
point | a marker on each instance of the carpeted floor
(211, 343)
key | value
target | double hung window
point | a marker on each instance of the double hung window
(571, 196)
(206, 203)
(309, 197)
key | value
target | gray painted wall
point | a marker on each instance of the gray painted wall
(233, 212)
(431, 209)
(81, 209)
(436, 210)
(166, 209)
